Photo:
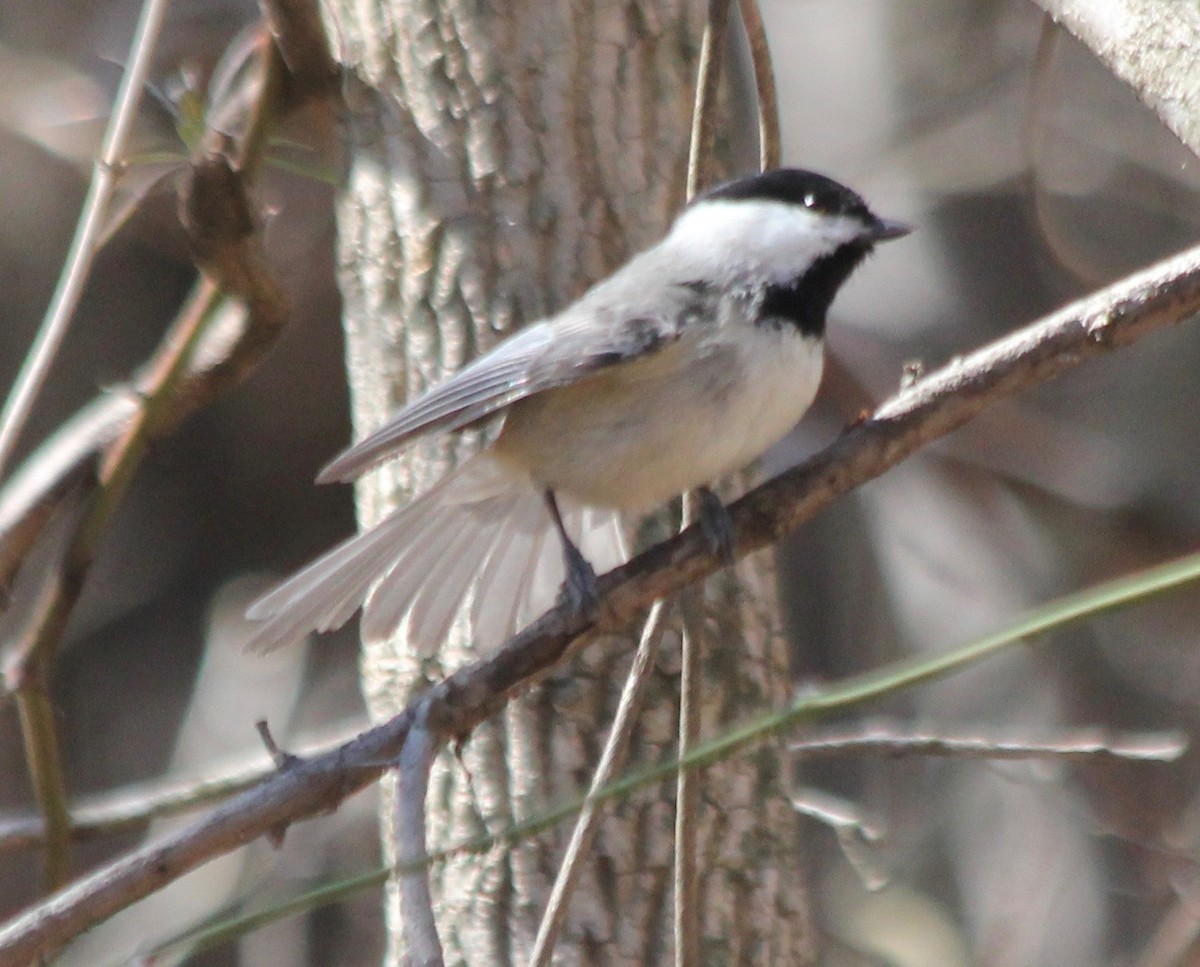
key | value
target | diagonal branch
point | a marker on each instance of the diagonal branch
(219, 217)
(227, 352)
(87, 235)
(135, 805)
(1129, 310)
(616, 747)
(1151, 45)
(422, 946)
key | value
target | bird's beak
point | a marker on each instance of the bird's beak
(886, 229)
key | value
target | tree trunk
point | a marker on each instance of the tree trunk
(504, 157)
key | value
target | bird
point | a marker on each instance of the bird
(681, 367)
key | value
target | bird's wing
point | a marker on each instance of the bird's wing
(590, 336)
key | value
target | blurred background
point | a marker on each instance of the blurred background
(1033, 177)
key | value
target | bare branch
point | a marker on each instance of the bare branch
(685, 872)
(87, 234)
(770, 138)
(686, 882)
(231, 346)
(30, 659)
(30, 496)
(857, 835)
(296, 28)
(421, 944)
(927, 409)
(307, 788)
(708, 82)
(616, 747)
(135, 805)
(221, 226)
(220, 222)
(892, 739)
(1152, 45)
(44, 761)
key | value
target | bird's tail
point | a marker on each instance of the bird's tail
(478, 535)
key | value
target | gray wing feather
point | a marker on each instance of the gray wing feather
(503, 577)
(486, 385)
(397, 594)
(388, 602)
(592, 335)
(328, 591)
(437, 602)
(324, 595)
(478, 535)
(521, 576)
(516, 564)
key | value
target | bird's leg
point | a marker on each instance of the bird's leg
(579, 588)
(715, 525)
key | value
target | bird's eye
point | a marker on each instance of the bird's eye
(810, 200)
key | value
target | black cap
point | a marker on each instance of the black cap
(794, 186)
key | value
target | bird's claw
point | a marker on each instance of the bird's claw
(715, 525)
(578, 590)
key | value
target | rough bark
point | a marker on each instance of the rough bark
(502, 159)
(1151, 45)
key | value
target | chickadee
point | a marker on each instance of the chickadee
(680, 368)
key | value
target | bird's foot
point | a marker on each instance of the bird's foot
(578, 591)
(715, 525)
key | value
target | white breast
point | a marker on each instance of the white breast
(637, 434)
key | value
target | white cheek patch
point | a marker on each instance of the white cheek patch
(769, 237)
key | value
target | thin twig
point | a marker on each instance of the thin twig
(686, 887)
(227, 247)
(309, 787)
(32, 657)
(221, 226)
(105, 175)
(835, 812)
(616, 748)
(38, 488)
(811, 705)
(29, 498)
(422, 948)
(296, 28)
(231, 346)
(135, 805)
(770, 140)
(923, 411)
(857, 835)
(220, 223)
(685, 872)
(708, 83)
(891, 739)
(44, 762)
